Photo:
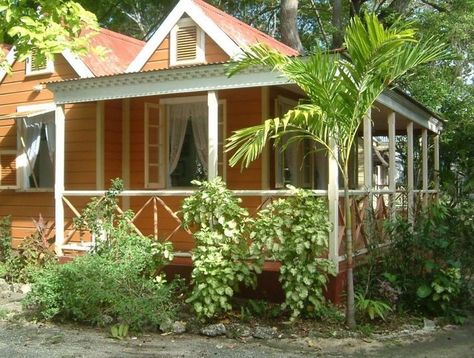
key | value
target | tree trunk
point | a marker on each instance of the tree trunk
(336, 21)
(350, 303)
(288, 24)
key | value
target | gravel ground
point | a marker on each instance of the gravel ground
(24, 339)
(20, 338)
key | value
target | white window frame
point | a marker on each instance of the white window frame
(14, 153)
(301, 181)
(22, 161)
(29, 71)
(200, 43)
(164, 155)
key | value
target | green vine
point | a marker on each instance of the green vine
(295, 232)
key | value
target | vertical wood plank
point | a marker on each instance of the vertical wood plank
(213, 133)
(410, 172)
(59, 179)
(99, 145)
(424, 155)
(333, 201)
(126, 150)
(392, 169)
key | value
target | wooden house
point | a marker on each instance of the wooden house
(156, 114)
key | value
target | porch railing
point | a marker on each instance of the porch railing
(369, 210)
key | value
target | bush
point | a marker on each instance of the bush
(295, 231)
(221, 257)
(119, 281)
(110, 286)
(429, 265)
(34, 252)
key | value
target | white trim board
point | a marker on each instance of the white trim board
(173, 81)
(200, 18)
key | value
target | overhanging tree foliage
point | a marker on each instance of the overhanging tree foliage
(49, 26)
(340, 91)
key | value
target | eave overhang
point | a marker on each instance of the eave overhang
(160, 82)
(201, 78)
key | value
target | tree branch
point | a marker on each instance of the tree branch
(434, 6)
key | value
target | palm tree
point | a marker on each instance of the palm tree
(340, 90)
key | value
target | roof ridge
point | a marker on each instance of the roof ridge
(222, 13)
(119, 35)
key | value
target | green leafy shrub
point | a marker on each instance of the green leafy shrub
(371, 308)
(118, 282)
(431, 262)
(221, 257)
(34, 252)
(112, 286)
(295, 232)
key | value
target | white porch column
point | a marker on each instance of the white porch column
(126, 150)
(410, 173)
(213, 128)
(266, 151)
(368, 169)
(424, 155)
(436, 161)
(59, 179)
(333, 202)
(99, 145)
(392, 170)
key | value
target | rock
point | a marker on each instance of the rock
(4, 286)
(179, 327)
(238, 330)
(262, 332)
(107, 320)
(214, 330)
(25, 288)
(428, 325)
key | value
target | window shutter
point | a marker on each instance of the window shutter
(186, 43)
(155, 146)
(8, 178)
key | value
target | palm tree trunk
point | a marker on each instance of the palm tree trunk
(350, 304)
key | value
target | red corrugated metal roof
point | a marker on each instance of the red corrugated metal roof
(121, 50)
(242, 34)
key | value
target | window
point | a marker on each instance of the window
(8, 169)
(37, 147)
(176, 143)
(36, 66)
(295, 165)
(187, 42)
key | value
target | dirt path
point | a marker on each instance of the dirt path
(40, 340)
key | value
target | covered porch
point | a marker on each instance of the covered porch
(124, 109)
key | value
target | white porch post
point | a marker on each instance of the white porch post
(333, 202)
(436, 161)
(391, 163)
(368, 151)
(126, 150)
(213, 128)
(424, 154)
(266, 151)
(59, 179)
(410, 173)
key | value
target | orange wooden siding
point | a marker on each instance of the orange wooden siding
(160, 58)
(112, 141)
(17, 90)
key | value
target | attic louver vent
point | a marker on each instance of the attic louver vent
(186, 43)
(37, 64)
